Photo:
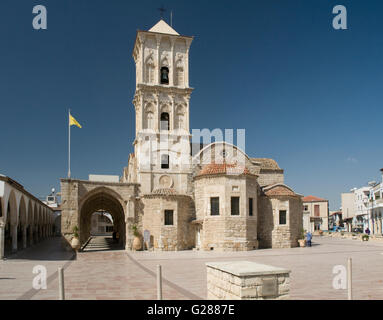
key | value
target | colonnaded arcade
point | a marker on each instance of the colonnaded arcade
(24, 219)
(217, 198)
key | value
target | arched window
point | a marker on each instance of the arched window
(180, 76)
(150, 67)
(149, 117)
(165, 121)
(150, 73)
(165, 161)
(180, 121)
(180, 117)
(164, 75)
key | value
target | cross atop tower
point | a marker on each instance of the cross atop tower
(162, 10)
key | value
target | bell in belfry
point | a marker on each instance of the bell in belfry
(164, 75)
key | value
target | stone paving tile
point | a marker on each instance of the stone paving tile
(115, 275)
(311, 276)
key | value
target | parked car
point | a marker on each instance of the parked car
(357, 230)
(338, 229)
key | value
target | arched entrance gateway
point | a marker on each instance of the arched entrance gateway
(107, 200)
(81, 199)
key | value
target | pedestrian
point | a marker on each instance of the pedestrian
(367, 231)
(309, 236)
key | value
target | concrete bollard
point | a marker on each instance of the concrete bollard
(61, 284)
(349, 278)
(159, 283)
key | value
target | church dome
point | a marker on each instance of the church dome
(266, 163)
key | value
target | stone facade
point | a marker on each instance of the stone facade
(178, 235)
(317, 212)
(244, 280)
(80, 199)
(226, 231)
(217, 199)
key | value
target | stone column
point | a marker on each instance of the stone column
(157, 124)
(172, 112)
(31, 235)
(186, 72)
(37, 239)
(142, 57)
(158, 78)
(129, 221)
(24, 237)
(172, 67)
(14, 237)
(2, 234)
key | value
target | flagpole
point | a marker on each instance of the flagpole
(69, 145)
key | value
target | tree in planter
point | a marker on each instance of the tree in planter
(137, 243)
(135, 231)
(301, 240)
(75, 232)
(75, 243)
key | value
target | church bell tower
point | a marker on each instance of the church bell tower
(162, 144)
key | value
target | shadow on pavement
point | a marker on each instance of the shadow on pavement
(47, 250)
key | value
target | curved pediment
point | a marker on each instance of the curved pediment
(279, 189)
(223, 155)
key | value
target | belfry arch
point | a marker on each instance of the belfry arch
(102, 199)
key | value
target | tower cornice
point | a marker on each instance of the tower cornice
(142, 87)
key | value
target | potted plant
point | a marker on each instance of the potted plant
(137, 243)
(75, 243)
(301, 240)
(321, 232)
(365, 237)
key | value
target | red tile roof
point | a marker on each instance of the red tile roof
(223, 168)
(165, 191)
(280, 191)
(312, 199)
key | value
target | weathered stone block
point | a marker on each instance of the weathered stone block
(246, 280)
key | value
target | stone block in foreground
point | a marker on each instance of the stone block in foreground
(245, 280)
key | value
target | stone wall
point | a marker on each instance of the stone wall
(269, 177)
(74, 194)
(270, 232)
(244, 280)
(225, 232)
(265, 222)
(180, 235)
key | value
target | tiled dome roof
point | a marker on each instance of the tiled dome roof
(223, 168)
(267, 163)
(165, 191)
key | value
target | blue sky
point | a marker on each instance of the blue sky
(308, 96)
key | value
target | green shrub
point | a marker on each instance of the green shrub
(135, 230)
(75, 231)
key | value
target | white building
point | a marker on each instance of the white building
(375, 205)
(52, 202)
(363, 207)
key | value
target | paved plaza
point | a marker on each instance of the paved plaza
(117, 274)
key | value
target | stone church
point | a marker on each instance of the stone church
(214, 197)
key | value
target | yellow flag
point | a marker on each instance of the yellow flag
(73, 121)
